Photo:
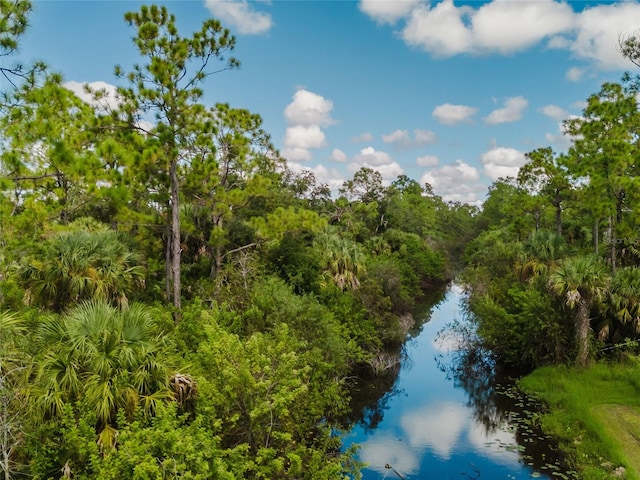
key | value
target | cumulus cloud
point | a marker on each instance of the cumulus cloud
(598, 31)
(511, 112)
(377, 160)
(302, 136)
(440, 30)
(449, 114)
(504, 27)
(427, 161)
(308, 108)
(555, 112)
(502, 162)
(104, 97)
(401, 139)
(425, 137)
(306, 115)
(240, 14)
(456, 182)
(364, 137)
(387, 11)
(507, 27)
(338, 156)
(575, 74)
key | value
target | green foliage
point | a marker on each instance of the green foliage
(104, 359)
(268, 405)
(79, 265)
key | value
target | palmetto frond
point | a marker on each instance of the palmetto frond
(105, 357)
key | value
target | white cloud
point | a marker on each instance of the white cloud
(338, 155)
(575, 74)
(308, 108)
(449, 114)
(443, 29)
(306, 114)
(555, 112)
(107, 94)
(302, 136)
(598, 30)
(296, 154)
(427, 161)
(511, 112)
(440, 30)
(456, 182)
(502, 162)
(401, 139)
(425, 137)
(387, 11)
(507, 26)
(380, 161)
(240, 15)
(372, 157)
(364, 137)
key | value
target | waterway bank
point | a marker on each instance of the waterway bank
(432, 423)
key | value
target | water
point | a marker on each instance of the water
(438, 420)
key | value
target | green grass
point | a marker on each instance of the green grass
(595, 415)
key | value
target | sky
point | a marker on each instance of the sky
(449, 93)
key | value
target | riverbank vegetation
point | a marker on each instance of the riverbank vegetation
(554, 285)
(174, 301)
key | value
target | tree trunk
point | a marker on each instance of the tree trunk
(613, 240)
(596, 227)
(558, 205)
(582, 332)
(167, 258)
(176, 249)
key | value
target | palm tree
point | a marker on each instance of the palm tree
(580, 280)
(622, 305)
(344, 261)
(104, 357)
(541, 253)
(77, 266)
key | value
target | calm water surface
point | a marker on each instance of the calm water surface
(429, 425)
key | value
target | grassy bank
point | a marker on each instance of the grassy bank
(595, 415)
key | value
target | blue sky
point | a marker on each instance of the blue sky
(450, 93)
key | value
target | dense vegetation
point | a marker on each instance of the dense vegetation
(554, 283)
(175, 302)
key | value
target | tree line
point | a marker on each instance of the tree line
(553, 276)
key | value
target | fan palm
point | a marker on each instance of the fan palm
(344, 261)
(77, 266)
(580, 280)
(542, 251)
(622, 305)
(104, 357)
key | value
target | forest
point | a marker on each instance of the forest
(176, 303)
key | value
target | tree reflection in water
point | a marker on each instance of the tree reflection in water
(494, 397)
(370, 394)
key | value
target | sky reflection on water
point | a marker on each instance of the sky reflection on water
(431, 428)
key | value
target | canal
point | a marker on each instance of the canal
(438, 419)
